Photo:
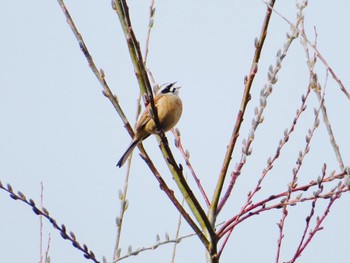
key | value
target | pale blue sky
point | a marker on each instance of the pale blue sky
(58, 128)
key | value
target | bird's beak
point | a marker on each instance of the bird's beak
(173, 84)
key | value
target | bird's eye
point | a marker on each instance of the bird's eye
(170, 88)
(167, 89)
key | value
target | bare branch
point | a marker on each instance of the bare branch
(318, 54)
(153, 247)
(264, 94)
(262, 206)
(186, 156)
(121, 7)
(259, 43)
(88, 254)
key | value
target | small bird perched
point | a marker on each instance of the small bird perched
(169, 109)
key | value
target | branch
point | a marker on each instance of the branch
(294, 182)
(318, 226)
(152, 11)
(177, 234)
(120, 6)
(186, 156)
(317, 52)
(153, 247)
(317, 89)
(255, 209)
(99, 74)
(264, 94)
(107, 92)
(123, 194)
(259, 43)
(88, 254)
(311, 214)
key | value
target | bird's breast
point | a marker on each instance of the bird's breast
(169, 111)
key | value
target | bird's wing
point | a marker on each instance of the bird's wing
(145, 117)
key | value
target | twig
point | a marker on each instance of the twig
(263, 206)
(186, 156)
(330, 133)
(296, 170)
(246, 151)
(265, 93)
(152, 11)
(318, 53)
(47, 257)
(119, 220)
(98, 73)
(180, 208)
(317, 89)
(88, 254)
(153, 247)
(254, 209)
(281, 204)
(107, 92)
(122, 9)
(123, 194)
(318, 226)
(311, 214)
(335, 77)
(177, 233)
(41, 221)
(259, 43)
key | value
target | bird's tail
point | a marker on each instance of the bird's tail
(127, 153)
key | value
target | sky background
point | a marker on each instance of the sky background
(58, 128)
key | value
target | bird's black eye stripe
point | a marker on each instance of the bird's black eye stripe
(169, 89)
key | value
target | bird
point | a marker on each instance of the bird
(169, 109)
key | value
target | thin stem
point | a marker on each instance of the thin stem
(317, 89)
(123, 195)
(177, 234)
(186, 156)
(47, 258)
(255, 209)
(70, 236)
(152, 11)
(107, 92)
(121, 7)
(98, 73)
(318, 54)
(153, 247)
(310, 216)
(246, 97)
(41, 221)
(265, 93)
(318, 226)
